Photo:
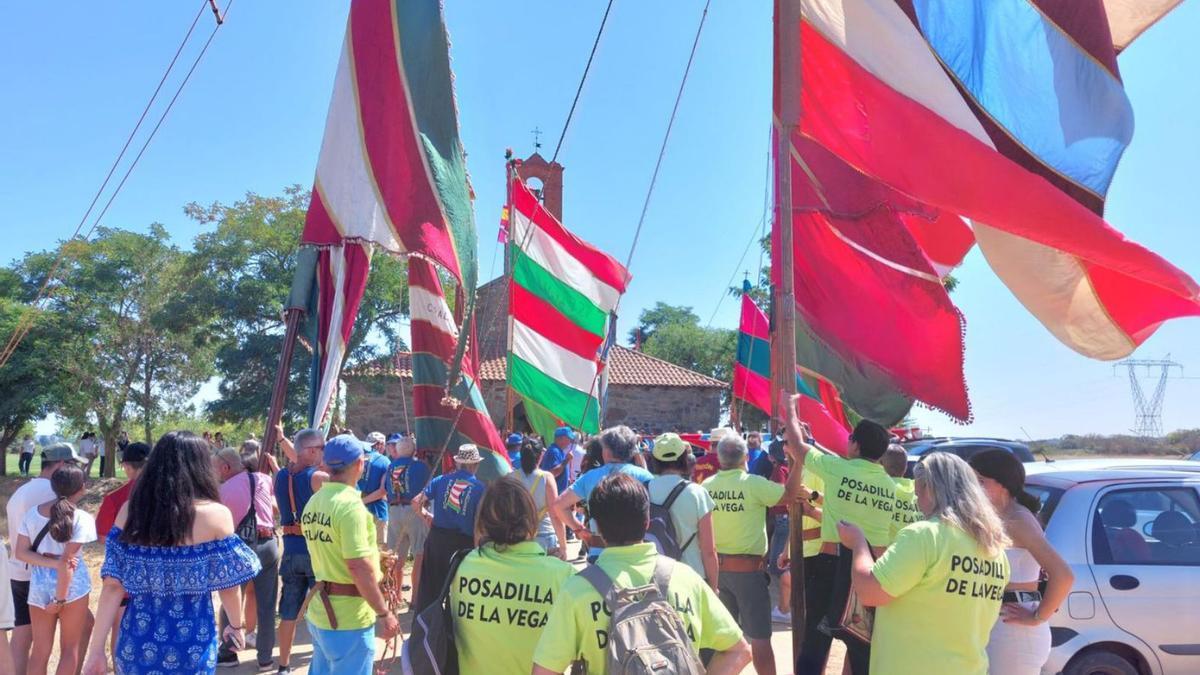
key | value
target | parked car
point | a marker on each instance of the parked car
(1135, 606)
(963, 447)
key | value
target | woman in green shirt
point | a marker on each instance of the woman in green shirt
(503, 590)
(939, 586)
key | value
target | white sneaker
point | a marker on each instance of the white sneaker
(776, 616)
(251, 640)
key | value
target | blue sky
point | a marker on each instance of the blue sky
(251, 120)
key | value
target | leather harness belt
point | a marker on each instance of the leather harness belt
(327, 588)
(292, 530)
(399, 501)
(740, 563)
(831, 548)
(811, 533)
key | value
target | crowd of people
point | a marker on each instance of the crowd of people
(951, 564)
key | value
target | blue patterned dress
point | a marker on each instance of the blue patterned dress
(169, 626)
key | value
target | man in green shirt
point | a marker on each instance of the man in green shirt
(577, 628)
(857, 490)
(740, 528)
(340, 533)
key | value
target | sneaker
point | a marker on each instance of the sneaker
(251, 639)
(229, 660)
(780, 617)
(284, 670)
(266, 665)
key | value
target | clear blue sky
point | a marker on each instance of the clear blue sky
(251, 120)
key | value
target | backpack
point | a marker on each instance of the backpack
(430, 649)
(646, 636)
(661, 531)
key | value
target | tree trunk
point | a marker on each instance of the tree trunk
(7, 436)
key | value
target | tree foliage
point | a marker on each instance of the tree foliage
(661, 314)
(244, 267)
(114, 318)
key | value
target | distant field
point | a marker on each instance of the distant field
(11, 464)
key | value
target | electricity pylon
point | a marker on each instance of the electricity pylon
(1148, 410)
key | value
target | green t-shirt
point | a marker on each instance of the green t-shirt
(857, 491)
(690, 506)
(578, 624)
(906, 511)
(500, 600)
(739, 521)
(814, 483)
(947, 597)
(338, 528)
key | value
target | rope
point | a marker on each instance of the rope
(27, 319)
(667, 136)
(662, 151)
(583, 79)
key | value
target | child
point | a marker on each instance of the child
(50, 539)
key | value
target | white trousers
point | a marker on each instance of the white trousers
(1014, 649)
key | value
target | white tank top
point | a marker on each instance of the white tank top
(1023, 568)
(536, 484)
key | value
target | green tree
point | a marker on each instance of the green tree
(661, 314)
(244, 268)
(115, 320)
(709, 351)
(34, 377)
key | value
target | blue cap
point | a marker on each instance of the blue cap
(342, 450)
(564, 431)
(515, 439)
(395, 438)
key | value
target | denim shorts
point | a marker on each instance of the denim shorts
(778, 541)
(296, 572)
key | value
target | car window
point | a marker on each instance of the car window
(1048, 497)
(1147, 526)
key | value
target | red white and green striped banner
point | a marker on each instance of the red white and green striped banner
(439, 422)
(392, 172)
(561, 297)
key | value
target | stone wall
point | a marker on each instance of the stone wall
(375, 404)
(651, 409)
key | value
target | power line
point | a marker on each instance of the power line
(583, 79)
(667, 136)
(755, 235)
(26, 321)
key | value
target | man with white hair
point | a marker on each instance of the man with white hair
(741, 501)
(618, 445)
(374, 485)
(453, 499)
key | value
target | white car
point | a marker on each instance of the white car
(1132, 538)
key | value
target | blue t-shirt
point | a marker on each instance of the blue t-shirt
(302, 487)
(409, 477)
(454, 500)
(374, 476)
(553, 457)
(583, 486)
(753, 456)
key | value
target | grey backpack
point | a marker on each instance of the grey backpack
(646, 636)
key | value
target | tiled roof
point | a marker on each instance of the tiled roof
(627, 367)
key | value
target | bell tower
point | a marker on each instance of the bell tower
(535, 170)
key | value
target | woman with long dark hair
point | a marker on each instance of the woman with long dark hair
(1020, 640)
(50, 539)
(551, 534)
(172, 546)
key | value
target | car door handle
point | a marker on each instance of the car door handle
(1124, 582)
